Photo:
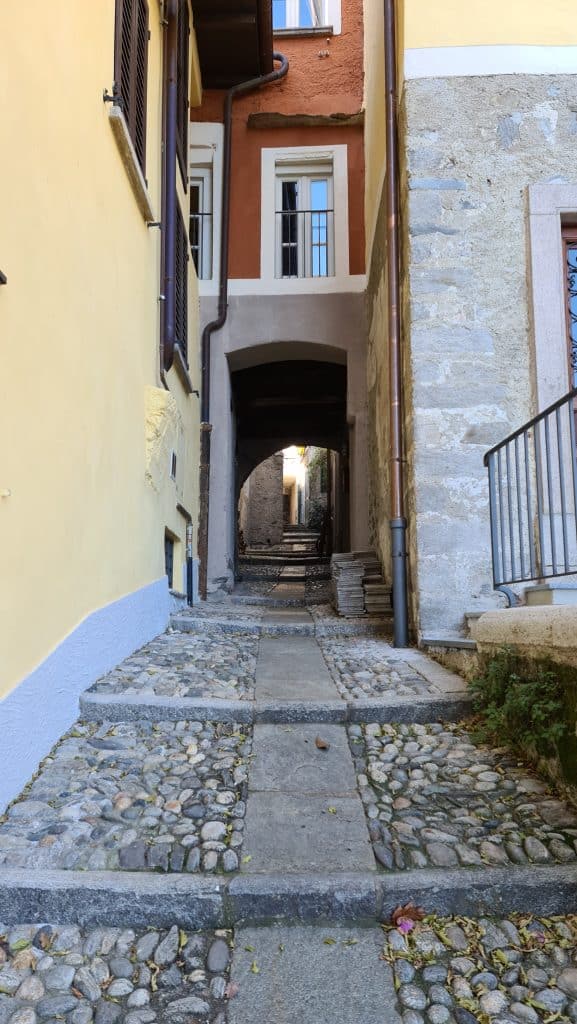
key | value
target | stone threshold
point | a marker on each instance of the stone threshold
(138, 899)
(99, 707)
(341, 627)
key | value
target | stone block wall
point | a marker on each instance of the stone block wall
(473, 147)
(261, 504)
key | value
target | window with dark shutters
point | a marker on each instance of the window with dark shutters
(130, 70)
(181, 287)
(182, 87)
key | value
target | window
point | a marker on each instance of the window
(304, 221)
(200, 233)
(570, 263)
(183, 31)
(130, 70)
(181, 288)
(300, 14)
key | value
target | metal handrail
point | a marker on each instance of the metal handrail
(533, 498)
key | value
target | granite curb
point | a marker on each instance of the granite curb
(99, 707)
(141, 899)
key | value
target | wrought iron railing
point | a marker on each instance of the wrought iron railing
(533, 498)
(305, 242)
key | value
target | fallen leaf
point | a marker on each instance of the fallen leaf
(329, 942)
(254, 968)
(249, 949)
(350, 942)
(231, 990)
(332, 810)
(77, 993)
(321, 744)
(247, 859)
(20, 945)
(409, 912)
(281, 947)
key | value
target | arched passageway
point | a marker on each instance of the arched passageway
(276, 395)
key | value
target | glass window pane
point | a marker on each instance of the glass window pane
(279, 14)
(319, 194)
(305, 14)
(290, 194)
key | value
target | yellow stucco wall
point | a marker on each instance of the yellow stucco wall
(79, 327)
(489, 22)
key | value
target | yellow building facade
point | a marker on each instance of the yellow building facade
(99, 463)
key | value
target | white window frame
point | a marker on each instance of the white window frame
(331, 10)
(205, 162)
(272, 163)
(550, 205)
(201, 177)
(304, 174)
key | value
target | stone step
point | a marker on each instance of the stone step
(96, 707)
(363, 626)
(145, 899)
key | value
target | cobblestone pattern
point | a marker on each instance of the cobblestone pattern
(361, 669)
(434, 799)
(317, 591)
(223, 608)
(165, 797)
(248, 571)
(109, 975)
(187, 665)
(521, 970)
(329, 624)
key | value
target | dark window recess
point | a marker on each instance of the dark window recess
(173, 465)
(169, 558)
(182, 89)
(181, 288)
(131, 70)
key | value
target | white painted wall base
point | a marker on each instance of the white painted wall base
(35, 714)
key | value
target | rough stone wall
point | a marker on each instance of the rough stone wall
(378, 396)
(261, 503)
(473, 146)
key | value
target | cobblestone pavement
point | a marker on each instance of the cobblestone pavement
(163, 797)
(435, 799)
(361, 669)
(187, 665)
(329, 624)
(520, 970)
(108, 975)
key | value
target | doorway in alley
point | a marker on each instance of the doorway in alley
(291, 455)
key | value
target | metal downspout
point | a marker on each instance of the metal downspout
(169, 200)
(216, 325)
(397, 522)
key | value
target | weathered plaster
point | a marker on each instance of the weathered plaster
(164, 434)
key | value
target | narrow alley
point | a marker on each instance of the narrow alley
(244, 802)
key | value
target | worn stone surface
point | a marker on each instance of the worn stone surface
(167, 796)
(326, 975)
(102, 975)
(517, 969)
(433, 798)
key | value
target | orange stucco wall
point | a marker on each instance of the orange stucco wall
(315, 84)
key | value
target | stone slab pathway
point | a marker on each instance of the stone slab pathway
(274, 769)
(314, 975)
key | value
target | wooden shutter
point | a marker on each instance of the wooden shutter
(182, 88)
(131, 69)
(181, 287)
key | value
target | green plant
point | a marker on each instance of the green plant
(520, 703)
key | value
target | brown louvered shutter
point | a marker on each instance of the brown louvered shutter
(181, 287)
(131, 70)
(182, 88)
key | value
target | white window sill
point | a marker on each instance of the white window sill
(320, 30)
(130, 161)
